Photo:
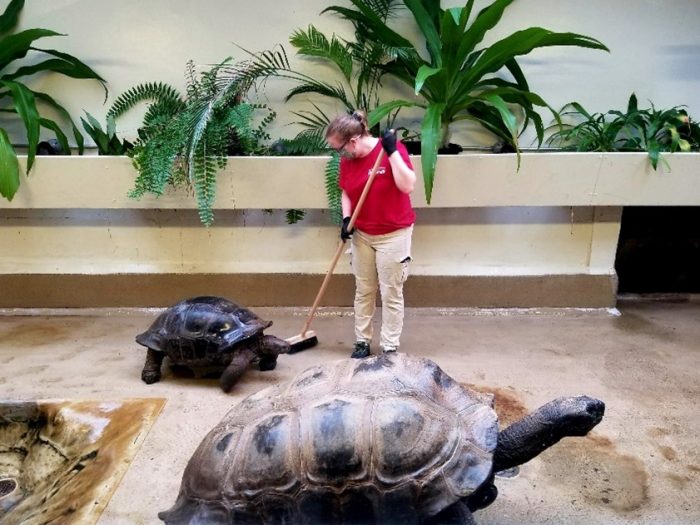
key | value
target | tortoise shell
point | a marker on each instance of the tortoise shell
(200, 328)
(387, 439)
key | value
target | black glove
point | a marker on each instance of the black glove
(344, 233)
(389, 141)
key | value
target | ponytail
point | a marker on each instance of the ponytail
(349, 125)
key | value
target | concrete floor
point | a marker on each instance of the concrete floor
(641, 465)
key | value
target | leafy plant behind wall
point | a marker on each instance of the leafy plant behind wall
(651, 130)
(186, 140)
(357, 85)
(459, 80)
(16, 98)
(106, 140)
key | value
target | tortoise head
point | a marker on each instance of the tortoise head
(562, 417)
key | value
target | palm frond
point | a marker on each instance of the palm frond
(313, 43)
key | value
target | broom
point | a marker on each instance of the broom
(307, 338)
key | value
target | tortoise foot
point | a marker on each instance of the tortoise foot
(150, 376)
(266, 364)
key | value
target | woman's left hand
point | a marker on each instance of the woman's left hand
(389, 141)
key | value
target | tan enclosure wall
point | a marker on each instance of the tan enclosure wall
(543, 236)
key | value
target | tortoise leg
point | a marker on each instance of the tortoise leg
(151, 370)
(267, 363)
(234, 371)
(483, 496)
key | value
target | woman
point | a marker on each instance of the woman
(381, 237)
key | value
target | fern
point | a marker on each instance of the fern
(249, 140)
(204, 167)
(186, 142)
(293, 216)
(333, 191)
(163, 94)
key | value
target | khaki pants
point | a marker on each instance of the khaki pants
(380, 260)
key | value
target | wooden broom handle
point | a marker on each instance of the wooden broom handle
(341, 243)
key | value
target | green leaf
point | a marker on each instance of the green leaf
(313, 43)
(94, 129)
(484, 22)
(93, 121)
(9, 167)
(26, 108)
(509, 119)
(430, 143)
(9, 18)
(451, 35)
(18, 45)
(293, 216)
(654, 152)
(333, 191)
(377, 114)
(428, 29)
(66, 65)
(374, 26)
(320, 88)
(111, 127)
(424, 73)
(47, 99)
(60, 136)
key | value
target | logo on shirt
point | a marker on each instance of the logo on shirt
(381, 170)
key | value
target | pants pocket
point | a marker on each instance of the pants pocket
(405, 268)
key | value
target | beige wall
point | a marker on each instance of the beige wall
(73, 216)
(655, 47)
(72, 238)
(492, 236)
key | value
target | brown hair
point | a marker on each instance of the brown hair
(348, 125)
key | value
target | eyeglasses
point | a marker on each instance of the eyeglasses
(340, 148)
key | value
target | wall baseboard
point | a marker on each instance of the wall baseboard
(158, 290)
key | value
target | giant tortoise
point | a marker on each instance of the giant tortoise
(391, 439)
(210, 332)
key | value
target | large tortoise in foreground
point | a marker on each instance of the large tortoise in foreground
(210, 332)
(390, 439)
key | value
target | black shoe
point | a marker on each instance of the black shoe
(360, 350)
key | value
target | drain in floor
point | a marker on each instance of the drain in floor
(7, 487)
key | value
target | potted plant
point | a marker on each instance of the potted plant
(186, 140)
(16, 98)
(459, 80)
(651, 130)
(356, 84)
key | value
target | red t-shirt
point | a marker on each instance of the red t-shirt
(386, 208)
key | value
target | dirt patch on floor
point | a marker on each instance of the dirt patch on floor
(506, 403)
(592, 468)
(37, 332)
